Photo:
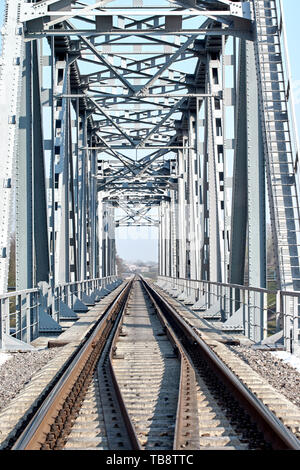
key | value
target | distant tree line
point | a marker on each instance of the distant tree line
(123, 268)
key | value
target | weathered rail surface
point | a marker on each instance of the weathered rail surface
(145, 379)
(247, 406)
(53, 421)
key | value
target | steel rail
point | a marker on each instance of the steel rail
(186, 424)
(275, 432)
(130, 428)
(55, 413)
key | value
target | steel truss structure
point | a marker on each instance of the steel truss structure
(112, 107)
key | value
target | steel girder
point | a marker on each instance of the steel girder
(128, 101)
(13, 47)
(139, 106)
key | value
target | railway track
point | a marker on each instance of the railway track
(145, 380)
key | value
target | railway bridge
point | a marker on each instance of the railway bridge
(170, 114)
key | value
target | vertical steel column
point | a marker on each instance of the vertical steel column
(32, 252)
(167, 209)
(11, 82)
(24, 181)
(181, 208)
(249, 191)
(82, 205)
(107, 235)
(228, 101)
(100, 234)
(88, 209)
(105, 244)
(111, 251)
(173, 237)
(159, 242)
(41, 243)
(193, 198)
(162, 239)
(256, 199)
(76, 189)
(214, 139)
(239, 189)
(62, 253)
(52, 218)
(204, 248)
(93, 216)
(256, 178)
(72, 203)
(186, 213)
(199, 221)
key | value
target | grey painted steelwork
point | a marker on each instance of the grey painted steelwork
(13, 47)
(183, 108)
(29, 313)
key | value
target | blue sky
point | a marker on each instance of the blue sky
(292, 12)
(143, 243)
(146, 248)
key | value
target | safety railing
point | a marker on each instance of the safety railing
(19, 314)
(20, 310)
(68, 293)
(258, 313)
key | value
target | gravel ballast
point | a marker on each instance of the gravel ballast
(284, 378)
(17, 371)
